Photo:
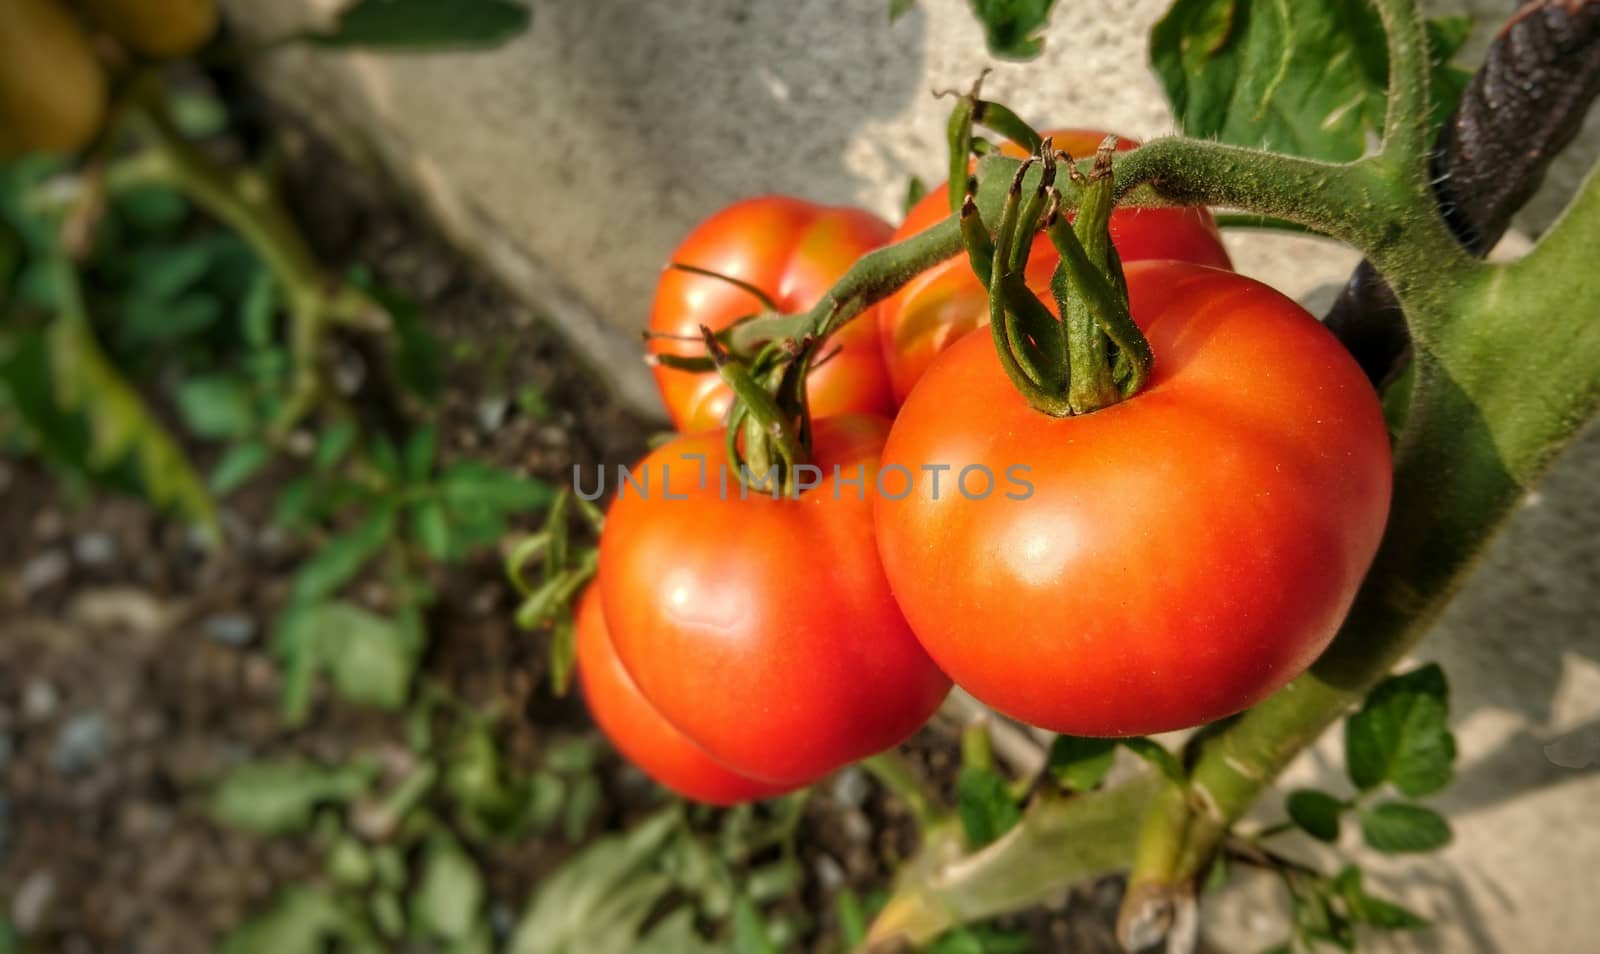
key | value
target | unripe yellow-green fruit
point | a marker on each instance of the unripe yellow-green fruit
(156, 28)
(52, 90)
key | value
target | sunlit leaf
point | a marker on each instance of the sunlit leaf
(277, 797)
(1308, 78)
(426, 24)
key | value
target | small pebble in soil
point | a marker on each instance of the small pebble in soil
(81, 744)
(94, 548)
(43, 571)
(40, 700)
(856, 825)
(48, 524)
(851, 787)
(32, 902)
(230, 629)
(492, 412)
(830, 874)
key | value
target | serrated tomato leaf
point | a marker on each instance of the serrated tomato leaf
(1307, 78)
(1315, 813)
(1401, 735)
(426, 24)
(1401, 827)
(1011, 28)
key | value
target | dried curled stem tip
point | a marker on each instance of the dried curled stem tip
(1065, 158)
(972, 188)
(1102, 158)
(1052, 212)
(972, 92)
(1022, 170)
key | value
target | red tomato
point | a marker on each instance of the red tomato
(639, 732)
(1178, 556)
(793, 251)
(935, 309)
(763, 628)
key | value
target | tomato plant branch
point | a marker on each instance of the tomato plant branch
(1061, 840)
(243, 200)
(1405, 121)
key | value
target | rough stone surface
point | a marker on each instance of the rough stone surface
(572, 160)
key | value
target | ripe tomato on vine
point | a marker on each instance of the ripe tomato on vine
(790, 252)
(1183, 553)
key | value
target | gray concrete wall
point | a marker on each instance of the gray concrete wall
(572, 160)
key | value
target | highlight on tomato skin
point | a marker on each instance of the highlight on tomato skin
(941, 305)
(793, 251)
(764, 628)
(1182, 554)
(641, 733)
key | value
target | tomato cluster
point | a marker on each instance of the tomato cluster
(1159, 563)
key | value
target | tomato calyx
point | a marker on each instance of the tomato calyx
(1094, 355)
(769, 426)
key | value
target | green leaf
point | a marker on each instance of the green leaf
(1307, 78)
(343, 557)
(1374, 912)
(332, 444)
(58, 435)
(1079, 764)
(984, 805)
(150, 208)
(238, 465)
(426, 25)
(1315, 813)
(563, 655)
(982, 939)
(147, 320)
(1401, 735)
(432, 526)
(1011, 28)
(899, 8)
(470, 484)
(279, 797)
(259, 307)
(421, 448)
(852, 919)
(1401, 827)
(599, 900)
(303, 919)
(750, 930)
(295, 503)
(915, 190)
(450, 896)
(120, 425)
(1157, 755)
(366, 656)
(217, 406)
